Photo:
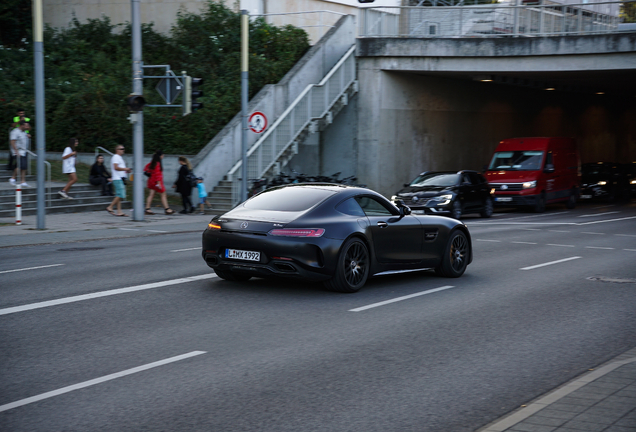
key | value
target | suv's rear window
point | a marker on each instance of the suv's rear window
(289, 199)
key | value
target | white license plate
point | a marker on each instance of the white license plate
(585, 196)
(242, 255)
(503, 199)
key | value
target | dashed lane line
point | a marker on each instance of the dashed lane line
(550, 263)
(31, 268)
(374, 305)
(598, 247)
(95, 295)
(520, 242)
(597, 214)
(560, 245)
(96, 381)
(188, 249)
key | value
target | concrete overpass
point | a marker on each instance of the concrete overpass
(444, 103)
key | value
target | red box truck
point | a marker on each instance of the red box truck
(535, 171)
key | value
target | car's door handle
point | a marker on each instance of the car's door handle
(383, 224)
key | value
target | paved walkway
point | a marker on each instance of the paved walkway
(601, 400)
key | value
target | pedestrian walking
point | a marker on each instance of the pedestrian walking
(183, 184)
(154, 171)
(119, 171)
(203, 195)
(68, 166)
(99, 176)
(19, 146)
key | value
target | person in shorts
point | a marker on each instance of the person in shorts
(19, 146)
(118, 172)
(68, 166)
(203, 195)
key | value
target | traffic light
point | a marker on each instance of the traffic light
(135, 103)
(191, 94)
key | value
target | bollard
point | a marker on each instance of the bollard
(18, 205)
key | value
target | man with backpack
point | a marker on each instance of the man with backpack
(186, 180)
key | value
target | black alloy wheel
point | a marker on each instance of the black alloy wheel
(456, 210)
(455, 259)
(352, 270)
(231, 276)
(488, 209)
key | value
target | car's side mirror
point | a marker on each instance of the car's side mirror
(406, 185)
(404, 209)
(549, 168)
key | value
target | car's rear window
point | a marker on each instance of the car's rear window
(289, 199)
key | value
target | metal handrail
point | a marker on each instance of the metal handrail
(313, 103)
(48, 181)
(544, 18)
(97, 151)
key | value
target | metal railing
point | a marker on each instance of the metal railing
(98, 148)
(313, 103)
(537, 18)
(320, 23)
(48, 175)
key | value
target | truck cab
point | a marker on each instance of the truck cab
(536, 171)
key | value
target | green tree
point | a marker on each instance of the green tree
(88, 76)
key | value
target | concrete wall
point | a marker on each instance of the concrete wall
(416, 123)
(218, 157)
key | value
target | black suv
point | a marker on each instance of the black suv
(451, 193)
(607, 181)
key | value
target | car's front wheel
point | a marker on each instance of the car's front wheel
(456, 210)
(456, 255)
(352, 270)
(231, 276)
(488, 208)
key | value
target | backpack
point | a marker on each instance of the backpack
(191, 178)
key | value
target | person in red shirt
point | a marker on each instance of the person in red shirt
(154, 171)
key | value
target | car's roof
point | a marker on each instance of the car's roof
(449, 172)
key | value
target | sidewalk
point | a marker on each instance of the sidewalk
(602, 400)
(96, 225)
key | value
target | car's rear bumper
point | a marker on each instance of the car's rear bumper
(311, 259)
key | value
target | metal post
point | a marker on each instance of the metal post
(244, 87)
(18, 201)
(38, 60)
(138, 125)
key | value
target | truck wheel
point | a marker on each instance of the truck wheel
(571, 202)
(539, 206)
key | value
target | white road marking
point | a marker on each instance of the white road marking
(598, 247)
(539, 215)
(494, 241)
(95, 295)
(597, 214)
(608, 220)
(550, 263)
(31, 268)
(631, 250)
(559, 231)
(518, 242)
(531, 229)
(129, 229)
(604, 206)
(100, 380)
(374, 305)
(625, 235)
(550, 244)
(183, 250)
(594, 233)
(159, 231)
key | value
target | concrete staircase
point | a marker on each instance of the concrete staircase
(86, 197)
(221, 197)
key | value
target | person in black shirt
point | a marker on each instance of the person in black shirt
(100, 177)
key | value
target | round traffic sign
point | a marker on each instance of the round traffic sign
(257, 122)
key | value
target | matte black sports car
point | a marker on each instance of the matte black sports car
(448, 193)
(337, 234)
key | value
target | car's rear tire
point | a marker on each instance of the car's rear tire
(456, 255)
(231, 276)
(456, 210)
(352, 270)
(488, 208)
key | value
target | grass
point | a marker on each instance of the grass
(83, 171)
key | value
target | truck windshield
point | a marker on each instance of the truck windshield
(522, 160)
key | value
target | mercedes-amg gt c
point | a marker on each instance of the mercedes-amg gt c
(338, 234)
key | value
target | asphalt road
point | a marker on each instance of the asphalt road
(137, 334)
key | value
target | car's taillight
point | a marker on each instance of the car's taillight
(213, 225)
(297, 232)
